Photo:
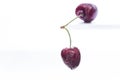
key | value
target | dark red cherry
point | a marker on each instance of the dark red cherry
(71, 57)
(87, 12)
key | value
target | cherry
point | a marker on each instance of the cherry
(71, 57)
(85, 11)
(88, 12)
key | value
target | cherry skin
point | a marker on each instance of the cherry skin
(71, 57)
(86, 11)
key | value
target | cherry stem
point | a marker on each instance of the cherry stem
(69, 22)
(68, 35)
(64, 27)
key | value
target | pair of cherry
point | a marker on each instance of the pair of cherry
(71, 56)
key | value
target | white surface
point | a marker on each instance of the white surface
(31, 40)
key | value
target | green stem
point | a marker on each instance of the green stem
(69, 22)
(64, 27)
(69, 36)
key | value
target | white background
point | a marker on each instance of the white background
(31, 40)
